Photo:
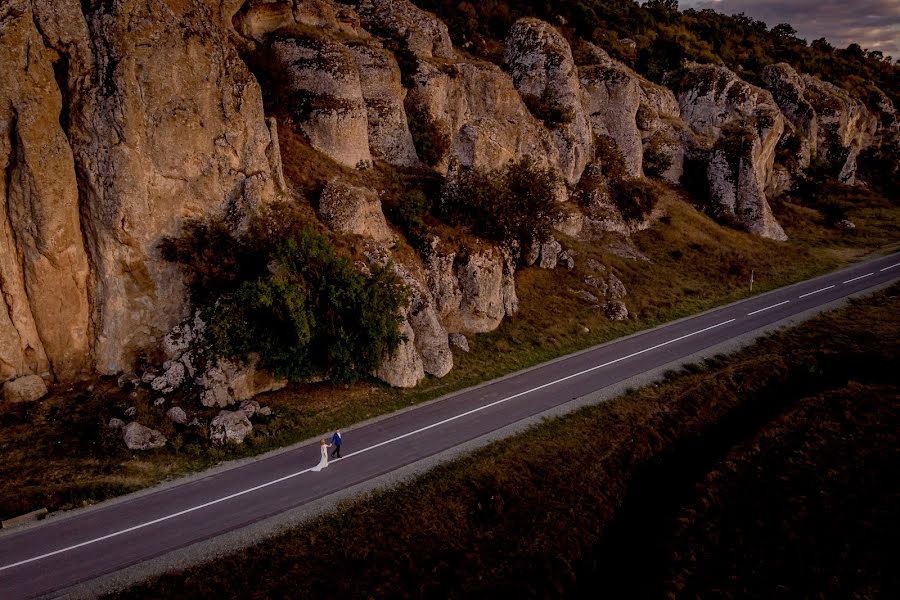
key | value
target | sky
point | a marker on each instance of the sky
(873, 24)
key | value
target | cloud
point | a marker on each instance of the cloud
(873, 24)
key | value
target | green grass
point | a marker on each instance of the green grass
(557, 510)
(695, 264)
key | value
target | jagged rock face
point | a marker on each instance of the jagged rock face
(429, 339)
(379, 75)
(544, 73)
(257, 18)
(789, 91)
(229, 426)
(486, 119)
(845, 126)
(424, 34)
(346, 208)
(319, 79)
(742, 125)
(600, 209)
(157, 119)
(473, 292)
(404, 367)
(44, 322)
(612, 97)
(662, 130)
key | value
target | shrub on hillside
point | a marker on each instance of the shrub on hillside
(430, 137)
(290, 298)
(607, 152)
(515, 204)
(636, 197)
(656, 160)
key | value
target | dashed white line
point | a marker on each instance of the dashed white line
(890, 267)
(860, 277)
(392, 440)
(750, 314)
(817, 291)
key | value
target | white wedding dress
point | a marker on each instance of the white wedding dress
(323, 462)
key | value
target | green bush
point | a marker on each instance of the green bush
(656, 160)
(430, 137)
(546, 108)
(512, 205)
(607, 152)
(311, 313)
(635, 197)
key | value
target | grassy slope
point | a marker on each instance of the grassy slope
(769, 472)
(58, 453)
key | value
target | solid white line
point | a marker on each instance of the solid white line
(817, 291)
(890, 267)
(860, 277)
(400, 437)
(766, 308)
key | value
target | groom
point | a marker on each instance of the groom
(336, 442)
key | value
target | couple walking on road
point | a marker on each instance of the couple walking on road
(336, 441)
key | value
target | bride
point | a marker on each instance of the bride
(323, 462)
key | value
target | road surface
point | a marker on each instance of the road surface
(70, 549)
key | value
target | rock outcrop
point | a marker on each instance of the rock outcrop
(139, 437)
(149, 108)
(24, 389)
(740, 125)
(423, 33)
(229, 426)
(346, 208)
(474, 289)
(544, 73)
(379, 76)
(231, 381)
(318, 79)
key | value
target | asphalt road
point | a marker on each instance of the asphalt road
(66, 550)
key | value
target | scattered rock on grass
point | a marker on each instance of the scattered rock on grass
(139, 437)
(24, 389)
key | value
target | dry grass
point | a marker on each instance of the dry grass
(543, 514)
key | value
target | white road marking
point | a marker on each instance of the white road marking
(817, 291)
(400, 437)
(890, 267)
(766, 308)
(860, 277)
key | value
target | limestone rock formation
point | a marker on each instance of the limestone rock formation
(231, 381)
(24, 389)
(458, 340)
(423, 33)
(404, 367)
(473, 289)
(318, 78)
(741, 126)
(379, 75)
(177, 415)
(257, 18)
(544, 73)
(482, 114)
(346, 208)
(139, 437)
(158, 119)
(229, 426)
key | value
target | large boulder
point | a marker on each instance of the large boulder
(139, 437)
(229, 426)
(24, 389)
(346, 208)
(318, 79)
(422, 32)
(379, 75)
(44, 272)
(612, 97)
(738, 126)
(404, 367)
(231, 381)
(473, 289)
(543, 71)
(482, 115)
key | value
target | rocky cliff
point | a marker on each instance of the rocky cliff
(121, 120)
